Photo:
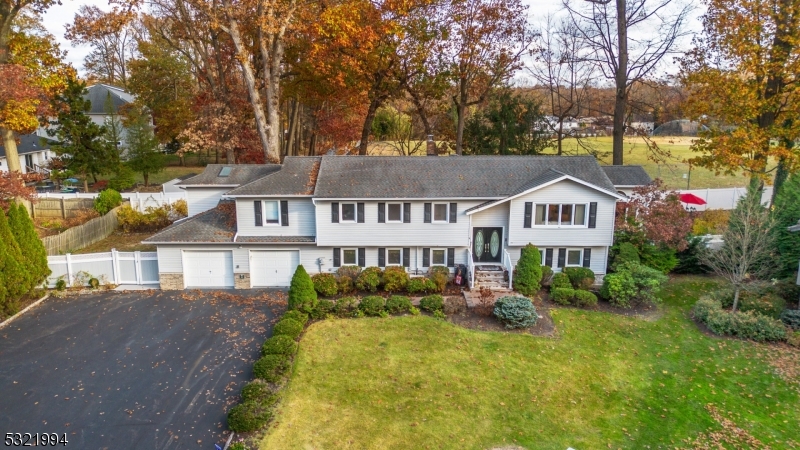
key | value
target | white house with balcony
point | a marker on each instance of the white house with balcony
(416, 212)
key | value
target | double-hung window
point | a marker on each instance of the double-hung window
(438, 257)
(394, 212)
(574, 257)
(272, 213)
(394, 256)
(440, 213)
(348, 212)
(350, 256)
(560, 214)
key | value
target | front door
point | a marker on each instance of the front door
(487, 244)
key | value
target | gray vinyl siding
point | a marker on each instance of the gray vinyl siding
(416, 233)
(563, 192)
(301, 219)
(492, 217)
(203, 199)
(598, 261)
(371, 258)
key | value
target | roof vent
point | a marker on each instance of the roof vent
(225, 171)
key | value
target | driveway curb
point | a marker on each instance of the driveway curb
(10, 319)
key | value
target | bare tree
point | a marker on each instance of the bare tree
(629, 39)
(747, 253)
(562, 68)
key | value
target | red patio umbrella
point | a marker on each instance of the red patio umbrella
(691, 199)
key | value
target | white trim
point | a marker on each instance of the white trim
(544, 185)
(268, 196)
(400, 199)
(341, 212)
(264, 222)
(580, 257)
(446, 213)
(206, 185)
(432, 264)
(399, 249)
(387, 212)
(572, 225)
(341, 256)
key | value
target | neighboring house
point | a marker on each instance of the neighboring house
(34, 154)
(171, 185)
(330, 211)
(97, 94)
(204, 191)
(626, 178)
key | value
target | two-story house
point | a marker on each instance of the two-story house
(330, 211)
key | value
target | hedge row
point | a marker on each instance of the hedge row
(393, 279)
(747, 325)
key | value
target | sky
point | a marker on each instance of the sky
(59, 15)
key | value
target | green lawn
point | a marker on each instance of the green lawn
(607, 381)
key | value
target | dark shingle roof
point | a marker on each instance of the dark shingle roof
(29, 143)
(276, 239)
(297, 176)
(98, 94)
(627, 175)
(447, 177)
(214, 225)
(240, 174)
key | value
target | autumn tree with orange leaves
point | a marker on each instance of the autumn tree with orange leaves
(742, 84)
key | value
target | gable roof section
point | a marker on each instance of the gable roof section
(627, 175)
(297, 177)
(449, 176)
(98, 93)
(240, 174)
(29, 143)
(212, 226)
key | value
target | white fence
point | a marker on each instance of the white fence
(110, 267)
(723, 198)
(139, 200)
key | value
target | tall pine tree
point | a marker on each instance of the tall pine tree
(143, 153)
(34, 255)
(787, 213)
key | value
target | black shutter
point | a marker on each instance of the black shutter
(453, 213)
(337, 257)
(406, 212)
(381, 257)
(406, 257)
(426, 257)
(587, 257)
(381, 212)
(451, 257)
(427, 213)
(335, 212)
(562, 257)
(362, 257)
(284, 213)
(548, 257)
(360, 212)
(257, 211)
(593, 215)
(528, 214)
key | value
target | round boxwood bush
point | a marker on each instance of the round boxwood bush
(248, 416)
(528, 277)
(562, 296)
(432, 303)
(325, 284)
(255, 390)
(323, 308)
(580, 277)
(279, 345)
(271, 367)
(439, 276)
(369, 279)
(584, 298)
(294, 314)
(515, 312)
(420, 285)
(395, 279)
(619, 289)
(344, 306)
(397, 304)
(561, 280)
(372, 305)
(287, 327)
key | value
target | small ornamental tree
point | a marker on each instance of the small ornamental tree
(658, 214)
(302, 295)
(17, 281)
(528, 278)
(34, 255)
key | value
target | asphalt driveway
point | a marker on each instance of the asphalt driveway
(136, 370)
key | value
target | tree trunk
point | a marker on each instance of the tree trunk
(85, 183)
(10, 144)
(735, 298)
(560, 136)
(367, 128)
(312, 144)
(423, 115)
(230, 156)
(461, 110)
(270, 152)
(621, 79)
(272, 56)
(290, 139)
(146, 177)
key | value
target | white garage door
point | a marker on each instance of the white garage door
(273, 268)
(208, 269)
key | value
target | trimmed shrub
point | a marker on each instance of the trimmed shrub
(432, 303)
(288, 327)
(296, 315)
(33, 252)
(271, 368)
(345, 285)
(562, 296)
(580, 277)
(791, 317)
(16, 279)
(372, 305)
(323, 308)
(325, 284)
(395, 279)
(515, 312)
(420, 285)
(345, 306)
(619, 289)
(107, 200)
(153, 219)
(249, 416)
(584, 298)
(302, 295)
(767, 304)
(351, 272)
(746, 325)
(369, 279)
(439, 276)
(560, 280)
(547, 275)
(626, 253)
(528, 278)
(94, 283)
(255, 390)
(397, 304)
(787, 289)
(61, 284)
(238, 446)
(279, 345)
(648, 281)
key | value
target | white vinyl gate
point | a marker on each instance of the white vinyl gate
(273, 268)
(140, 268)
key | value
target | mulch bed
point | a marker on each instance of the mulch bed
(473, 319)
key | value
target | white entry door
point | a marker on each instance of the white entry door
(208, 269)
(273, 268)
